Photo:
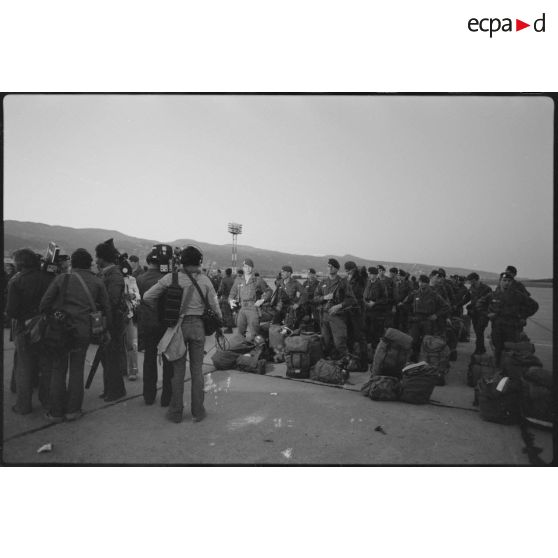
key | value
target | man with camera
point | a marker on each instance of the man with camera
(192, 308)
(72, 293)
(109, 272)
(25, 291)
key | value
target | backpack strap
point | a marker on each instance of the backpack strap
(88, 292)
(195, 283)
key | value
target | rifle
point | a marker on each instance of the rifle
(94, 365)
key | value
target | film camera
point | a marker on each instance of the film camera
(53, 259)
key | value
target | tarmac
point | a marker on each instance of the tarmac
(274, 420)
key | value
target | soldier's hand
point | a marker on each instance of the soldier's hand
(370, 303)
(328, 296)
(295, 306)
(334, 309)
(232, 303)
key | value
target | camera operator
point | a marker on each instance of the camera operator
(65, 402)
(152, 329)
(192, 307)
(25, 291)
(109, 272)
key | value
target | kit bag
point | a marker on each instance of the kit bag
(98, 324)
(224, 360)
(480, 366)
(328, 372)
(499, 399)
(516, 363)
(276, 338)
(418, 382)
(298, 365)
(309, 343)
(392, 353)
(253, 361)
(537, 406)
(384, 388)
(436, 353)
(172, 343)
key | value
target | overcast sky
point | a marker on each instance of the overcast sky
(454, 181)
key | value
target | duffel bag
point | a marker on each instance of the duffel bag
(224, 360)
(418, 383)
(384, 388)
(536, 404)
(328, 372)
(499, 399)
(309, 343)
(399, 338)
(480, 366)
(298, 365)
(239, 345)
(515, 364)
(253, 361)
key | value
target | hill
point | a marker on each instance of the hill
(19, 234)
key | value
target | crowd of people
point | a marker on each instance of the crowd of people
(351, 311)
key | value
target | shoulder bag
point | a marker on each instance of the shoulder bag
(211, 320)
(97, 321)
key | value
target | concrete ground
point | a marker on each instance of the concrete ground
(271, 419)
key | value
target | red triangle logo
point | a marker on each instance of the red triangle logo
(519, 25)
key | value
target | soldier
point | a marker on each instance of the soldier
(478, 296)
(389, 283)
(332, 296)
(152, 329)
(223, 294)
(310, 286)
(288, 298)
(402, 288)
(251, 292)
(507, 311)
(428, 309)
(137, 270)
(355, 315)
(512, 270)
(376, 307)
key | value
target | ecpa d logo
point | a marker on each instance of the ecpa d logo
(493, 25)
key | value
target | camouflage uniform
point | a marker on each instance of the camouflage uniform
(248, 292)
(375, 317)
(479, 298)
(310, 286)
(289, 292)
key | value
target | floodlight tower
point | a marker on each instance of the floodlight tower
(235, 229)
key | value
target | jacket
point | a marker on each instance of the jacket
(376, 291)
(249, 291)
(339, 286)
(479, 298)
(25, 291)
(192, 304)
(76, 302)
(290, 292)
(225, 286)
(509, 304)
(310, 286)
(426, 301)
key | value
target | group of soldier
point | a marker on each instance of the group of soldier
(351, 311)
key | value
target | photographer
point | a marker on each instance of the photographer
(192, 307)
(109, 272)
(66, 401)
(25, 291)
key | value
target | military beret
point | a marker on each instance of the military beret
(511, 269)
(349, 266)
(287, 268)
(381, 268)
(435, 273)
(373, 270)
(393, 270)
(423, 279)
(249, 262)
(506, 275)
(401, 272)
(311, 270)
(473, 276)
(107, 251)
(442, 272)
(333, 263)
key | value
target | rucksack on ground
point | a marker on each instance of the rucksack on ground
(499, 399)
(301, 353)
(481, 366)
(328, 372)
(516, 363)
(224, 360)
(392, 353)
(383, 388)
(435, 352)
(253, 361)
(418, 382)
